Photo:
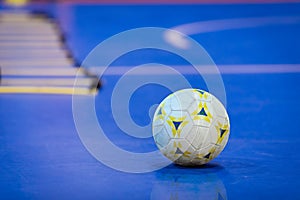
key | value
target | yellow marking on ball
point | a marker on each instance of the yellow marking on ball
(207, 116)
(181, 120)
(221, 127)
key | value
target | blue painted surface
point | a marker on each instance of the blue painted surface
(91, 24)
(41, 156)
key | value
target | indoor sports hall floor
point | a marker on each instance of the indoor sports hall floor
(255, 46)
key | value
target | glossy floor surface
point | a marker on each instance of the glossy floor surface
(42, 157)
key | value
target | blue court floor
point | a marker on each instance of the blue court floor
(42, 157)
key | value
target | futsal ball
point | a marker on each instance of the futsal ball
(190, 127)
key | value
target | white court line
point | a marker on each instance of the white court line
(221, 25)
(153, 70)
(224, 69)
(229, 24)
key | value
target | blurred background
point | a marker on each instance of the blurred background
(254, 44)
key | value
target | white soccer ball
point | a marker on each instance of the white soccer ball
(190, 127)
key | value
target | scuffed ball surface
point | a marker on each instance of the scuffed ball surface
(191, 127)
